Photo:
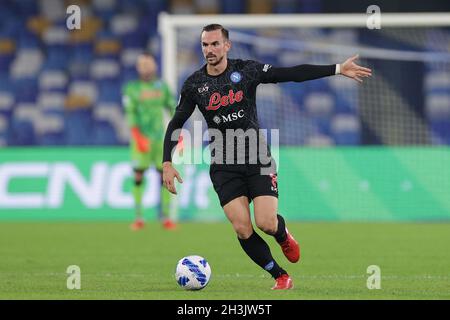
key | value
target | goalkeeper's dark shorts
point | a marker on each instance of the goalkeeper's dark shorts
(250, 180)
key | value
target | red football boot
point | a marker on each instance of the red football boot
(290, 248)
(283, 282)
(137, 225)
(169, 224)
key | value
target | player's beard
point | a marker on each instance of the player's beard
(146, 76)
(214, 63)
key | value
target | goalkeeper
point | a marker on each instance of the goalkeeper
(147, 103)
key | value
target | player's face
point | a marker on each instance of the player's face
(215, 47)
(146, 67)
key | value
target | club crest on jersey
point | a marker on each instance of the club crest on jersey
(235, 77)
(203, 89)
(216, 100)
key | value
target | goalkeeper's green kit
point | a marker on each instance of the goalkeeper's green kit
(148, 107)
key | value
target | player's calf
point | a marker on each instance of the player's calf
(289, 245)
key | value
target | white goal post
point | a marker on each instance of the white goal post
(167, 25)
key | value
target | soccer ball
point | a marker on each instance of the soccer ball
(193, 273)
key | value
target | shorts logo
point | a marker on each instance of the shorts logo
(274, 182)
(235, 77)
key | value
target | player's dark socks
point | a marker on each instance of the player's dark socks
(258, 250)
(281, 234)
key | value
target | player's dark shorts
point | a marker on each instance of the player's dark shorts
(233, 181)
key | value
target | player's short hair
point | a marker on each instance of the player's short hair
(215, 26)
(147, 54)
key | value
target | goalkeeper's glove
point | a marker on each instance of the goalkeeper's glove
(142, 142)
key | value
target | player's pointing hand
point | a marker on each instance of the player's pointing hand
(350, 69)
(169, 174)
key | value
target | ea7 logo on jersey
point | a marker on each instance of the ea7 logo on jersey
(266, 67)
(203, 89)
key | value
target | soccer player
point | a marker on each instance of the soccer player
(146, 102)
(225, 92)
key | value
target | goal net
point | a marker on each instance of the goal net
(406, 102)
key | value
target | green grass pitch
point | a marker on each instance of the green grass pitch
(117, 263)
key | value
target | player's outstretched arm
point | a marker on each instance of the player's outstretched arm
(351, 70)
(306, 72)
(169, 175)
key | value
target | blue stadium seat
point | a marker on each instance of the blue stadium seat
(104, 133)
(52, 139)
(105, 9)
(129, 74)
(343, 105)
(53, 82)
(295, 90)
(25, 89)
(109, 91)
(27, 40)
(320, 107)
(438, 113)
(22, 133)
(5, 62)
(78, 127)
(26, 7)
(57, 58)
(82, 52)
(346, 130)
(6, 83)
(233, 6)
(4, 130)
(286, 6)
(441, 131)
(79, 71)
(134, 40)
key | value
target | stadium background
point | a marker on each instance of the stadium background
(363, 169)
(377, 151)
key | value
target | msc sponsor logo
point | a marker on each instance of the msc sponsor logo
(233, 116)
(229, 117)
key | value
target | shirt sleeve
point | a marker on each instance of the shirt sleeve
(183, 111)
(266, 73)
(130, 106)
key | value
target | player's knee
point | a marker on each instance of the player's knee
(138, 180)
(243, 230)
(267, 225)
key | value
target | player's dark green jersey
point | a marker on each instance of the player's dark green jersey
(147, 106)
